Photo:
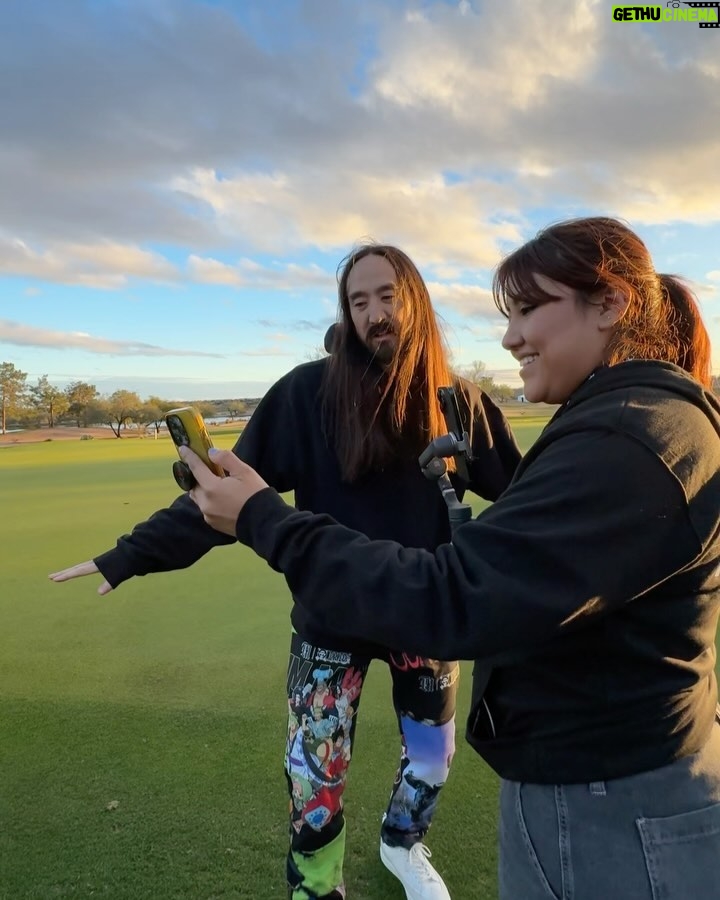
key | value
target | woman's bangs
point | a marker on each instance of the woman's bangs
(515, 281)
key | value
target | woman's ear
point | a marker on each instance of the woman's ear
(612, 307)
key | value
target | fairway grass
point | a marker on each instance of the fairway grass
(141, 733)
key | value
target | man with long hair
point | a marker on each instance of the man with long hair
(344, 433)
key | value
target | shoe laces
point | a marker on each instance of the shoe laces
(421, 867)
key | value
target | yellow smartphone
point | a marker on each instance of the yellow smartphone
(187, 429)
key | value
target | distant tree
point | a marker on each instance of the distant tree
(206, 408)
(150, 413)
(316, 353)
(236, 408)
(153, 411)
(48, 400)
(12, 391)
(97, 412)
(80, 395)
(164, 405)
(476, 373)
(119, 409)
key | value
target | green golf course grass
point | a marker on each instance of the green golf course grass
(141, 733)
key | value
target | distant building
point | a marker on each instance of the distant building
(521, 398)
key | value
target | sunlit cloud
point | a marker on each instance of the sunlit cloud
(15, 333)
(470, 300)
(453, 58)
(248, 273)
(441, 222)
(256, 159)
(103, 266)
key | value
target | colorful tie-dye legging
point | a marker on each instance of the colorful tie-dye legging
(324, 688)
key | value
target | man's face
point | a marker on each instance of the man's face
(375, 309)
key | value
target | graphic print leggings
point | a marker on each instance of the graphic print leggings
(324, 688)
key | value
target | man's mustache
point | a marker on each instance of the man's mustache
(382, 328)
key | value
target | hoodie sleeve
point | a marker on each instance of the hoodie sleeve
(578, 534)
(494, 449)
(178, 536)
(172, 538)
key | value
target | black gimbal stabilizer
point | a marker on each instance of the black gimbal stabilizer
(455, 444)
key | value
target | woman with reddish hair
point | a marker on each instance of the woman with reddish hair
(588, 593)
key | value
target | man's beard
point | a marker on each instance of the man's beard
(383, 352)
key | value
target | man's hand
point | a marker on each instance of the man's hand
(221, 499)
(83, 568)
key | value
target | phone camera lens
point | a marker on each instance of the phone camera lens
(177, 432)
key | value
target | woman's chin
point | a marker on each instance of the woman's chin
(536, 396)
(531, 393)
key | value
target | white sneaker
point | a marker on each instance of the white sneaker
(412, 868)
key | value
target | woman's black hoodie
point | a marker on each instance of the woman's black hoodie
(588, 594)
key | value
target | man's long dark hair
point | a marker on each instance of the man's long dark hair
(375, 415)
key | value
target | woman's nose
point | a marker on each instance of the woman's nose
(512, 337)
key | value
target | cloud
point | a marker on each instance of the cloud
(456, 62)
(107, 108)
(445, 130)
(22, 335)
(506, 376)
(468, 299)
(247, 273)
(297, 324)
(104, 265)
(566, 106)
(434, 219)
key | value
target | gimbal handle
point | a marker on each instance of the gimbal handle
(432, 459)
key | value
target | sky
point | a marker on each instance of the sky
(179, 179)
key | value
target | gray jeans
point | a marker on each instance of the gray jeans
(653, 836)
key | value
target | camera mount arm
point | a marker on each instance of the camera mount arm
(455, 444)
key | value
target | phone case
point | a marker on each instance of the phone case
(187, 429)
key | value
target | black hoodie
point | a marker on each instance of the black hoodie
(285, 442)
(588, 593)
